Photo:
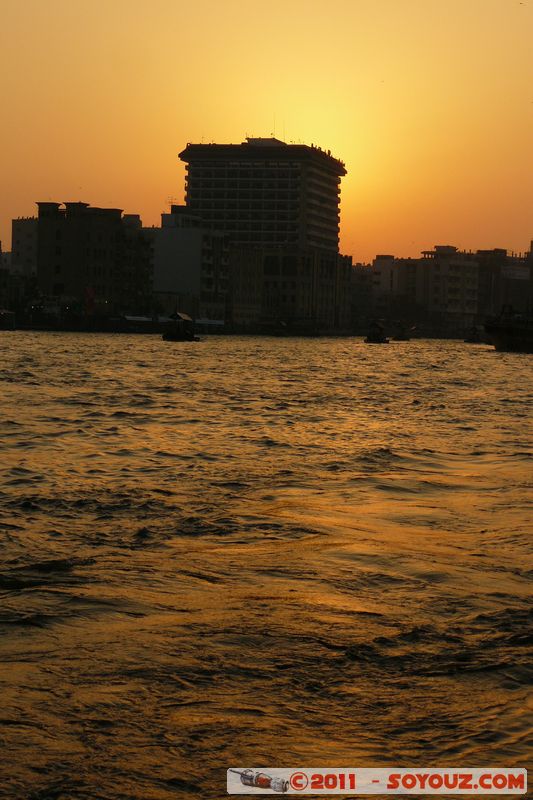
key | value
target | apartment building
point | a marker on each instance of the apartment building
(281, 200)
(92, 260)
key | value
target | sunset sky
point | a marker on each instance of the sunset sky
(428, 102)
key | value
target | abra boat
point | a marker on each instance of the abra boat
(181, 329)
(511, 332)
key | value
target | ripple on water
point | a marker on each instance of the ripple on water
(258, 551)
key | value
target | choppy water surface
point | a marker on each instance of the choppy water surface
(261, 552)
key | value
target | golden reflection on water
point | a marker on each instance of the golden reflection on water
(258, 551)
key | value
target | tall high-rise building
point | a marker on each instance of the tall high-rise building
(266, 193)
(281, 200)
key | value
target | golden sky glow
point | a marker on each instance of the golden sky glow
(428, 102)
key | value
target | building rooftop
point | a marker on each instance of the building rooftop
(261, 149)
(263, 142)
(75, 208)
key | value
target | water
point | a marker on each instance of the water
(263, 552)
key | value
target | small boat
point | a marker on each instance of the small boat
(511, 332)
(181, 329)
(376, 334)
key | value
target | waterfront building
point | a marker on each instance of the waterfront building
(190, 266)
(4, 288)
(4, 273)
(24, 246)
(450, 284)
(505, 281)
(361, 293)
(17, 284)
(245, 291)
(92, 261)
(281, 200)
(450, 290)
(399, 290)
(440, 289)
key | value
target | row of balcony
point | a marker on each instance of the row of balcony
(254, 210)
(265, 239)
(242, 183)
(225, 171)
(252, 225)
(240, 197)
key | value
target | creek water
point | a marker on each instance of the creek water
(260, 552)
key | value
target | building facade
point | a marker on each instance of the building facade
(92, 261)
(266, 193)
(504, 281)
(439, 289)
(449, 290)
(190, 267)
(282, 201)
(24, 245)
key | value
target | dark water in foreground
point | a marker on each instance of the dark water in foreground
(258, 552)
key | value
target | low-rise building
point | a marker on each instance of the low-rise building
(24, 245)
(361, 294)
(439, 289)
(450, 288)
(93, 261)
(17, 286)
(190, 266)
(504, 281)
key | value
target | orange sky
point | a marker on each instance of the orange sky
(429, 103)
